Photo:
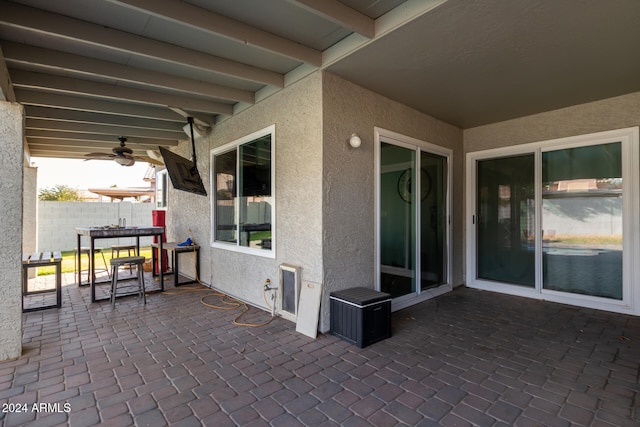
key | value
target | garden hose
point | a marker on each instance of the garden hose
(230, 303)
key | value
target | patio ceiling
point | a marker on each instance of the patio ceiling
(88, 72)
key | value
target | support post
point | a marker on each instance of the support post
(11, 188)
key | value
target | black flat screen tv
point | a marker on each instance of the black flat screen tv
(182, 172)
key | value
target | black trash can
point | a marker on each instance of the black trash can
(361, 316)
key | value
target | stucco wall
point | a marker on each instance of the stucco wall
(324, 188)
(296, 113)
(11, 185)
(348, 180)
(608, 114)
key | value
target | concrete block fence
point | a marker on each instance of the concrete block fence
(57, 222)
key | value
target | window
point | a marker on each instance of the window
(161, 189)
(243, 196)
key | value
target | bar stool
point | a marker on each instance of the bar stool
(87, 251)
(119, 262)
(116, 249)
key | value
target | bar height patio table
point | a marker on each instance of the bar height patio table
(113, 233)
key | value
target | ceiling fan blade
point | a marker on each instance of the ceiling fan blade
(99, 156)
(149, 160)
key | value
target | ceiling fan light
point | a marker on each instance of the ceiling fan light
(124, 161)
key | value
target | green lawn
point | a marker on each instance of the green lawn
(68, 261)
(585, 239)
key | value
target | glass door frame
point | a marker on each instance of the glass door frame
(419, 146)
(629, 139)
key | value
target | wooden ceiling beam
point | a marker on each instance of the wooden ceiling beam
(340, 14)
(55, 135)
(43, 143)
(82, 103)
(214, 23)
(81, 151)
(66, 85)
(52, 24)
(104, 129)
(35, 112)
(16, 53)
(6, 90)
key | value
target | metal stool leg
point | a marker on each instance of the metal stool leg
(88, 267)
(141, 284)
(79, 265)
(104, 260)
(114, 283)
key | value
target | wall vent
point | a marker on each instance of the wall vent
(289, 291)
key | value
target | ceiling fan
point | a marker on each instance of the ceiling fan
(123, 155)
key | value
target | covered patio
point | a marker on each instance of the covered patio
(326, 106)
(465, 358)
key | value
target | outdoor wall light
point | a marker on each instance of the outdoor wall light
(355, 141)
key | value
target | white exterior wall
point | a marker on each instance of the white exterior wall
(57, 222)
(11, 212)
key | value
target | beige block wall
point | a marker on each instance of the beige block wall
(296, 113)
(57, 222)
(11, 188)
(348, 180)
(30, 211)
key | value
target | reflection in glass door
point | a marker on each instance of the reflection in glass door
(397, 220)
(433, 226)
(413, 221)
(582, 220)
(505, 220)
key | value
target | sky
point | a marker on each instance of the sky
(81, 174)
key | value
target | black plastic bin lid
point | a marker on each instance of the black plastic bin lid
(360, 296)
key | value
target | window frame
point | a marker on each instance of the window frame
(226, 148)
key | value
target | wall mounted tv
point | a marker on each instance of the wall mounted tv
(182, 172)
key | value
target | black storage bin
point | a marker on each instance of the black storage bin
(361, 316)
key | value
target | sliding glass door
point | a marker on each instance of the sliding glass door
(413, 236)
(557, 220)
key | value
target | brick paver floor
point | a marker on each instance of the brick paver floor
(465, 358)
